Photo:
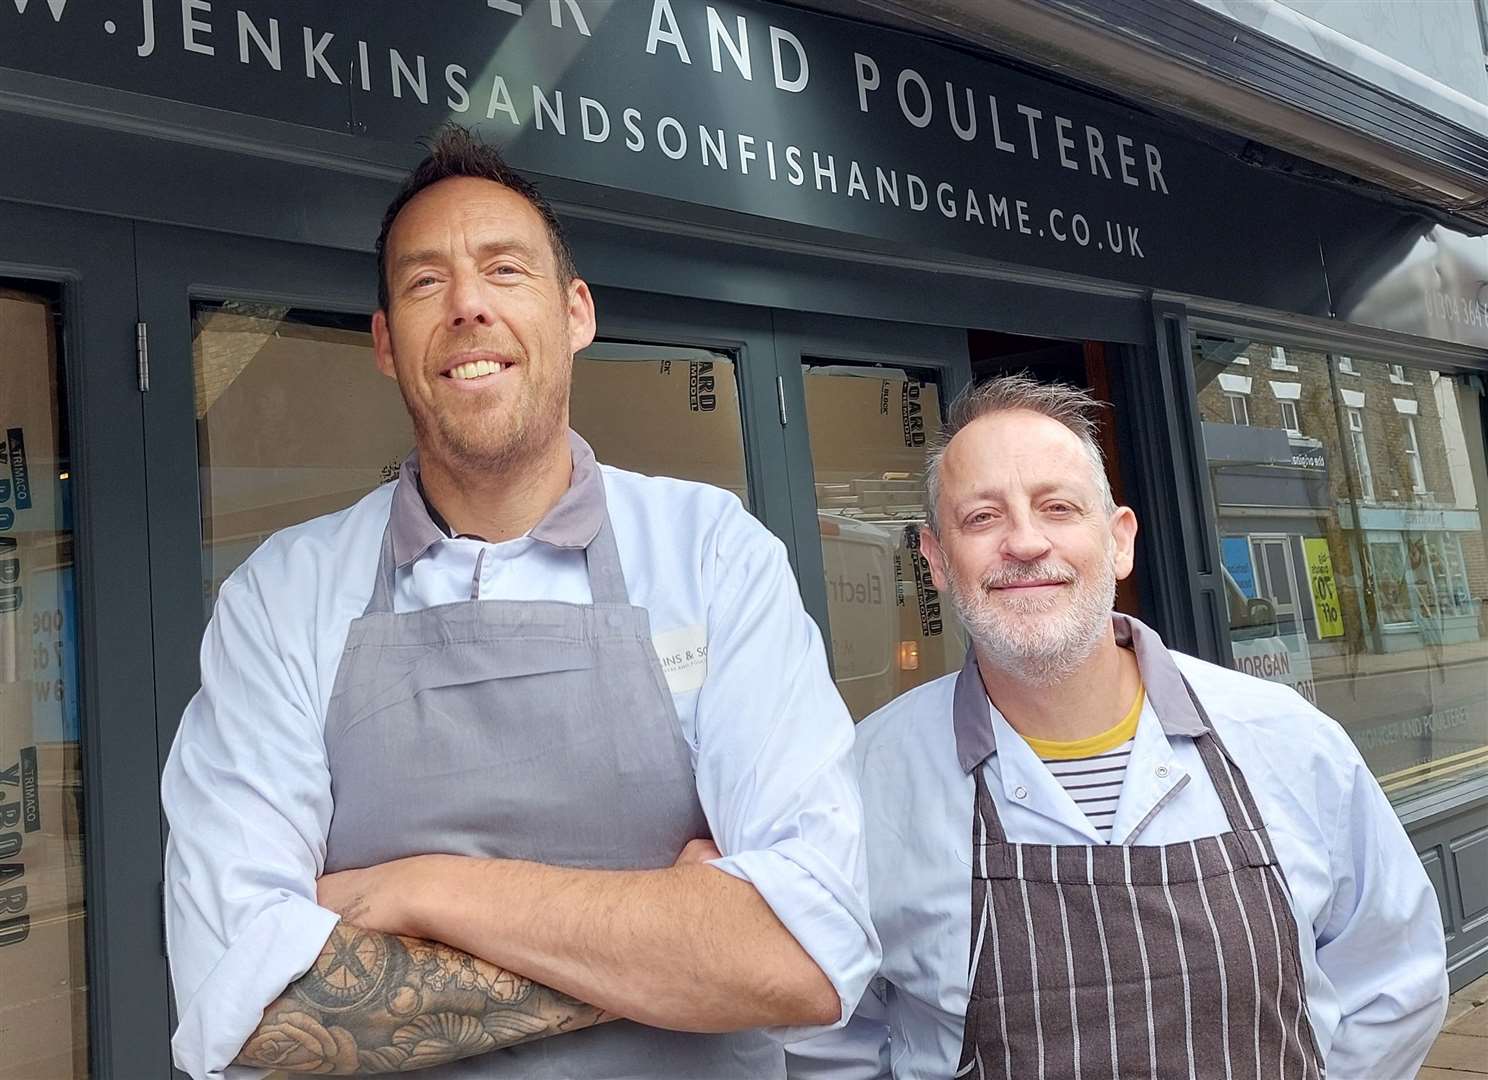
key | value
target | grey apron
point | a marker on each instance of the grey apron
(529, 730)
(1112, 961)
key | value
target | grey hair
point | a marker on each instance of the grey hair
(1076, 409)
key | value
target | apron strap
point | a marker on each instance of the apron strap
(606, 578)
(381, 602)
(986, 826)
(1229, 782)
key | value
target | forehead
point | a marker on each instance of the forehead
(1011, 450)
(465, 210)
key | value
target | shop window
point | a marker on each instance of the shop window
(44, 990)
(890, 631)
(1348, 576)
(293, 420)
(681, 416)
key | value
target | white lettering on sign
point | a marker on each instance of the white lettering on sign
(734, 45)
(684, 657)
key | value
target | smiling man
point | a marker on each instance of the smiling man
(437, 796)
(1156, 867)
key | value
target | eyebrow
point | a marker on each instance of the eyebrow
(1063, 489)
(491, 247)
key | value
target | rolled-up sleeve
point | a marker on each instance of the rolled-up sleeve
(247, 793)
(775, 772)
(1381, 943)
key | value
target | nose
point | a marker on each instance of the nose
(1023, 540)
(469, 302)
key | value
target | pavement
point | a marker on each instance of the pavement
(1461, 1050)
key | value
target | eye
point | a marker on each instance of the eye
(979, 517)
(421, 280)
(1059, 509)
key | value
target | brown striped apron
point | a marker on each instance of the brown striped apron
(1114, 961)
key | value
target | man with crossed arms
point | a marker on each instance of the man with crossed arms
(426, 808)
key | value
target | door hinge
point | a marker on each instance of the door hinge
(142, 355)
(780, 397)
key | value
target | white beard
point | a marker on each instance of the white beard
(1026, 637)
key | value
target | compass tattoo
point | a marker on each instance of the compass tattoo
(380, 1003)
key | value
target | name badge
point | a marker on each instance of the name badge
(684, 657)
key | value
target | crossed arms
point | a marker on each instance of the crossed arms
(377, 1002)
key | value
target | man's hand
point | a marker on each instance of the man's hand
(698, 851)
(375, 898)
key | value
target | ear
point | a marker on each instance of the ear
(1124, 541)
(580, 315)
(935, 556)
(382, 344)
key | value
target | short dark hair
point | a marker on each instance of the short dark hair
(1071, 406)
(456, 151)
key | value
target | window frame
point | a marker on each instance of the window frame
(1359, 442)
(1413, 457)
(1288, 405)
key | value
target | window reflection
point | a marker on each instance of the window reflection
(680, 414)
(293, 421)
(889, 630)
(1352, 520)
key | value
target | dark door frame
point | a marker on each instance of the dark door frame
(90, 260)
(177, 267)
(801, 337)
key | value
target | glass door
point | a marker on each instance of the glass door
(863, 400)
(265, 409)
(79, 835)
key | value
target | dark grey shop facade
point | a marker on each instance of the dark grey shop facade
(805, 233)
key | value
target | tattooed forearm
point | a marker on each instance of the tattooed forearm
(377, 1003)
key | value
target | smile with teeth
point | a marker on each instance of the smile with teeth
(474, 369)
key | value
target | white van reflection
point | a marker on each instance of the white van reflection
(861, 606)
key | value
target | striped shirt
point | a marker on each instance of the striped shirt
(1092, 770)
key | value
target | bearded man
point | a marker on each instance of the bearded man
(1157, 867)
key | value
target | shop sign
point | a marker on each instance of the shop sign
(1309, 457)
(736, 104)
(1399, 519)
(1323, 585)
(1284, 658)
(1236, 553)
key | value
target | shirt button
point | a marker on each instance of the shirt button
(1020, 792)
(1162, 772)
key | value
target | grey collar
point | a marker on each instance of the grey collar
(1163, 682)
(573, 522)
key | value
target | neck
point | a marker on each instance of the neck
(1077, 707)
(498, 504)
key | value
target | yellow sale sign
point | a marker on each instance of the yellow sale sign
(1324, 588)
